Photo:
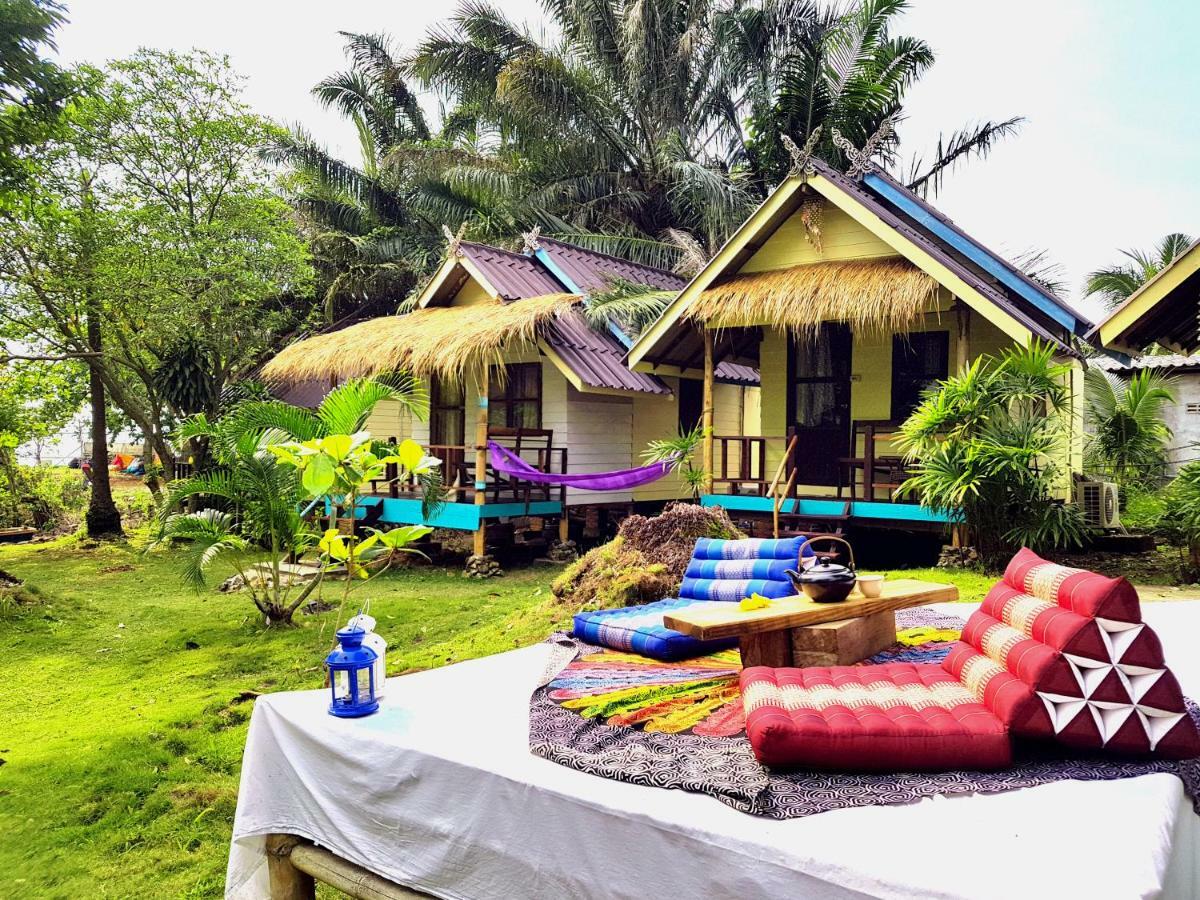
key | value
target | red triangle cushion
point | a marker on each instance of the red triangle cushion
(1063, 654)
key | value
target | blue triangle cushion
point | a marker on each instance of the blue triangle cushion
(719, 571)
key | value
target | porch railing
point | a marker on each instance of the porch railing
(746, 465)
(458, 472)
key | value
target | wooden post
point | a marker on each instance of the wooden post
(287, 882)
(481, 436)
(962, 341)
(707, 418)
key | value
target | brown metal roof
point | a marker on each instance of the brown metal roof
(596, 358)
(593, 271)
(513, 275)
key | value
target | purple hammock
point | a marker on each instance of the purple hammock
(504, 460)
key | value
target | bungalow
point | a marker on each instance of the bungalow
(504, 333)
(849, 294)
(1162, 311)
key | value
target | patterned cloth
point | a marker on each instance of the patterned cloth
(649, 739)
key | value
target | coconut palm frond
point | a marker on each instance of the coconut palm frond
(971, 141)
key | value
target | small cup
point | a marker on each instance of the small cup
(870, 586)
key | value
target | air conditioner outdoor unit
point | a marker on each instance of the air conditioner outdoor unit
(1098, 501)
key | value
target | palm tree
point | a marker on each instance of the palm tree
(1129, 438)
(255, 519)
(1116, 284)
(655, 117)
(368, 242)
(805, 65)
(626, 128)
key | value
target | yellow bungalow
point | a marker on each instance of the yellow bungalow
(849, 294)
(499, 339)
(1164, 311)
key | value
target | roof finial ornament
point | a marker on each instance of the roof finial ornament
(532, 239)
(862, 161)
(802, 157)
(454, 239)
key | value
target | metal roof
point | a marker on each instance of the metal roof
(1155, 361)
(598, 359)
(514, 276)
(589, 270)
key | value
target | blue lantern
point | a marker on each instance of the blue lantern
(352, 676)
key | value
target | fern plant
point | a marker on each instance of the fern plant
(985, 447)
(679, 452)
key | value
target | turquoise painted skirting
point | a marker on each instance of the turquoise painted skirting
(458, 516)
(859, 509)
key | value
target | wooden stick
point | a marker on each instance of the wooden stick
(481, 437)
(709, 370)
(352, 880)
(287, 882)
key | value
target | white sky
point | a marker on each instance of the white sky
(1107, 159)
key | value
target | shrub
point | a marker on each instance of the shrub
(984, 447)
(1180, 520)
(1128, 440)
(47, 497)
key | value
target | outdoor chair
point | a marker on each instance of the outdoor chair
(1054, 655)
(720, 571)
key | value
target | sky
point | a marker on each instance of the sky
(1106, 159)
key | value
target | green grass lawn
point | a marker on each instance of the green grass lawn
(123, 718)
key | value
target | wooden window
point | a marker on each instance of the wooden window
(516, 400)
(919, 361)
(447, 414)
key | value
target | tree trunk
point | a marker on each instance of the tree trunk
(103, 519)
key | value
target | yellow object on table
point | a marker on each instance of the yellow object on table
(754, 601)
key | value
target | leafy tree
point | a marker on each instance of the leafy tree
(1129, 437)
(985, 445)
(32, 89)
(626, 128)
(154, 221)
(1116, 284)
(1180, 522)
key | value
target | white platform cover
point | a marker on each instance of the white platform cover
(439, 791)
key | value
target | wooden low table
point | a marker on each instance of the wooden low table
(796, 631)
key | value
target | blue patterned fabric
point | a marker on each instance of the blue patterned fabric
(640, 629)
(720, 570)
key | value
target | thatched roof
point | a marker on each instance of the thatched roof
(872, 295)
(451, 343)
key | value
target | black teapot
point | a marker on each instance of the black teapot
(826, 581)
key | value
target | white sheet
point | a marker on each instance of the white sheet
(439, 791)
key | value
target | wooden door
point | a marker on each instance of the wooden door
(819, 401)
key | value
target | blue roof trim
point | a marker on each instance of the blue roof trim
(621, 336)
(995, 267)
(548, 261)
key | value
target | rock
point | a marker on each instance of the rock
(563, 552)
(958, 557)
(484, 566)
(232, 583)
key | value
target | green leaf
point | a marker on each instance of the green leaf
(319, 475)
(337, 445)
(410, 454)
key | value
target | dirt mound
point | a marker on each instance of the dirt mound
(646, 560)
